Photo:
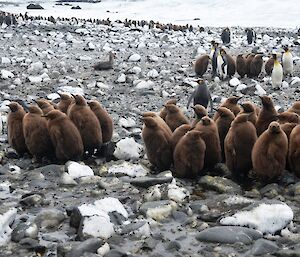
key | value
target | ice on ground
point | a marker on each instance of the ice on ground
(126, 168)
(5, 220)
(236, 199)
(128, 149)
(77, 170)
(267, 218)
(176, 193)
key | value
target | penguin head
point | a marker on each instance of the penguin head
(274, 56)
(247, 107)
(43, 103)
(233, 99)
(54, 114)
(14, 106)
(286, 48)
(64, 96)
(285, 117)
(34, 109)
(242, 117)
(200, 111)
(93, 104)
(172, 101)
(149, 114)
(149, 122)
(79, 100)
(206, 121)
(194, 134)
(274, 127)
(171, 108)
(266, 101)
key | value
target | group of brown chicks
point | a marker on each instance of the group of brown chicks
(64, 131)
(244, 136)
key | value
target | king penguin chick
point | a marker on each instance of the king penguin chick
(225, 36)
(65, 102)
(157, 145)
(65, 136)
(175, 117)
(249, 60)
(201, 95)
(106, 65)
(163, 111)
(238, 146)
(201, 65)
(295, 108)
(178, 134)
(294, 150)
(287, 62)
(200, 112)
(256, 65)
(250, 109)
(105, 120)
(87, 123)
(45, 105)
(269, 65)
(241, 65)
(277, 73)
(15, 128)
(269, 153)
(189, 155)
(266, 115)
(36, 133)
(231, 104)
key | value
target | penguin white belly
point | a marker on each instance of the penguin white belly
(287, 63)
(220, 62)
(277, 75)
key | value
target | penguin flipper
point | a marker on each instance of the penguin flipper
(190, 99)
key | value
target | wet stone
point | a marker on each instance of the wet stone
(263, 246)
(219, 184)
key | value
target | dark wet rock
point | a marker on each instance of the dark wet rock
(49, 218)
(179, 216)
(88, 246)
(116, 218)
(263, 246)
(228, 235)
(270, 190)
(197, 206)
(32, 199)
(75, 218)
(34, 7)
(23, 230)
(52, 170)
(132, 227)
(210, 216)
(57, 237)
(173, 246)
(149, 244)
(29, 243)
(116, 253)
(148, 181)
(219, 184)
(76, 7)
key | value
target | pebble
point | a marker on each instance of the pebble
(263, 246)
(134, 58)
(88, 246)
(219, 184)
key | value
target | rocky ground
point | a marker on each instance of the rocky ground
(120, 208)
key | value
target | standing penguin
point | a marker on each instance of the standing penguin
(210, 135)
(241, 65)
(238, 146)
(189, 155)
(295, 108)
(229, 62)
(294, 153)
(277, 73)
(163, 111)
(65, 102)
(251, 36)
(287, 62)
(249, 108)
(36, 133)
(175, 117)
(15, 128)
(266, 115)
(225, 36)
(200, 112)
(201, 95)
(161, 122)
(45, 105)
(256, 65)
(157, 145)
(269, 152)
(231, 104)
(201, 65)
(213, 56)
(269, 65)
(87, 123)
(105, 120)
(178, 134)
(65, 136)
(249, 59)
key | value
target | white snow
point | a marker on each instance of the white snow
(121, 78)
(153, 194)
(236, 199)
(161, 212)
(241, 87)
(104, 249)
(5, 74)
(234, 82)
(127, 122)
(153, 73)
(134, 58)
(259, 90)
(71, 90)
(4, 190)
(266, 218)
(5, 220)
(142, 84)
(98, 226)
(77, 170)
(132, 170)
(176, 193)
(127, 149)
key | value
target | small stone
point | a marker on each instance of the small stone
(158, 210)
(153, 73)
(5, 74)
(219, 184)
(234, 82)
(88, 246)
(23, 230)
(134, 58)
(121, 78)
(127, 122)
(148, 181)
(264, 247)
(49, 218)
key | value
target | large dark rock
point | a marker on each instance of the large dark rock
(34, 7)
(88, 246)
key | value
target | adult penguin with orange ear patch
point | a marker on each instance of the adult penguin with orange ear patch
(210, 135)
(223, 124)
(163, 111)
(36, 133)
(295, 108)
(266, 115)
(241, 65)
(87, 123)
(178, 134)
(65, 102)
(294, 150)
(238, 146)
(189, 155)
(105, 120)
(15, 128)
(45, 105)
(269, 153)
(229, 62)
(256, 65)
(200, 112)
(175, 117)
(65, 136)
(157, 145)
(201, 65)
(249, 108)
(231, 104)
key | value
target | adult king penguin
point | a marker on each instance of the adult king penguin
(277, 73)
(287, 61)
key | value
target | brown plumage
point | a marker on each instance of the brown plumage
(295, 108)
(223, 124)
(269, 66)
(157, 145)
(105, 120)
(256, 65)
(65, 136)
(250, 109)
(65, 102)
(200, 111)
(36, 133)
(241, 67)
(210, 135)
(230, 63)
(248, 64)
(269, 152)
(178, 134)
(266, 115)
(15, 128)
(87, 123)
(189, 155)
(175, 117)
(231, 104)
(163, 111)
(201, 64)
(294, 150)
(288, 117)
(238, 146)
(287, 128)
(45, 105)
